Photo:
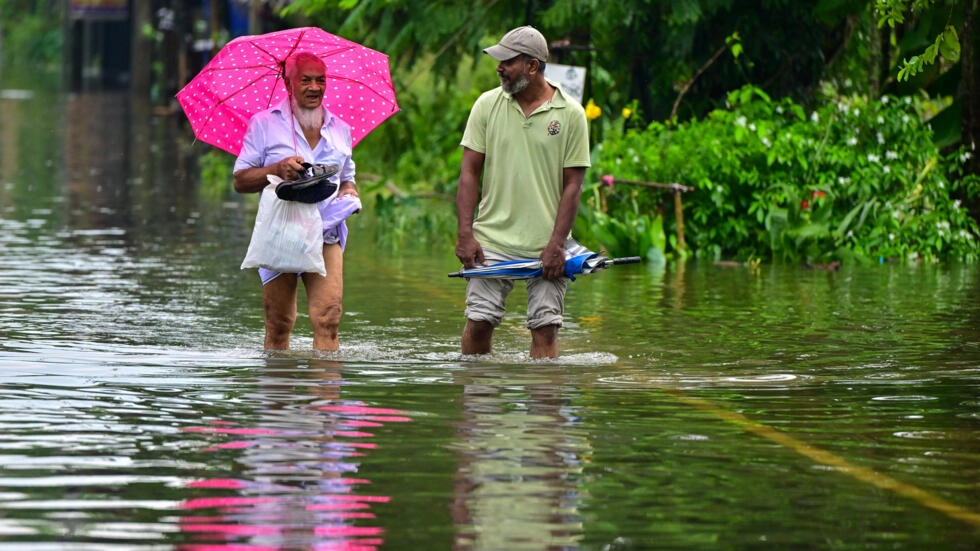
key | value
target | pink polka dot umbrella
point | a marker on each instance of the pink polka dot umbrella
(245, 77)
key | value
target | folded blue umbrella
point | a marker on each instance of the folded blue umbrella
(580, 264)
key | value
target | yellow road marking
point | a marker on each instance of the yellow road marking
(824, 457)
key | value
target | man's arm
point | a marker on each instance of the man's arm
(253, 180)
(468, 249)
(553, 256)
(348, 185)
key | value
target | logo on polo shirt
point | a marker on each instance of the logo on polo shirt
(554, 127)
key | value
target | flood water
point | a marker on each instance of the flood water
(694, 406)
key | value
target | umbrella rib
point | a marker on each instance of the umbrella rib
(373, 91)
(293, 49)
(236, 92)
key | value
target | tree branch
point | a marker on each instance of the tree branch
(688, 84)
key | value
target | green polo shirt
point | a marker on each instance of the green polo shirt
(522, 172)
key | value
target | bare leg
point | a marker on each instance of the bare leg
(279, 300)
(326, 299)
(477, 337)
(544, 342)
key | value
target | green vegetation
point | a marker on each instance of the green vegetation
(30, 34)
(854, 178)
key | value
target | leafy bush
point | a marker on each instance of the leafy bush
(30, 38)
(855, 178)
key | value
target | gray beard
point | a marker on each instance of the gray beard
(308, 119)
(517, 86)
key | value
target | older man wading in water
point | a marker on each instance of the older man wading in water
(300, 129)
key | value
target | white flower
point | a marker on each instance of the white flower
(896, 215)
(905, 119)
(842, 108)
(887, 169)
(908, 100)
(779, 109)
(857, 112)
(752, 127)
(842, 180)
(884, 100)
(815, 117)
(881, 120)
(942, 185)
(767, 143)
(850, 233)
(852, 141)
(891, 236)
(881, 138)
(965, 157)
(872, 158)
(891, 155)
(956, 204)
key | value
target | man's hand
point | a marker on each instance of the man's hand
(289, 168)
(469, 252)
(254, 180)
(347, 188)
(553, 261)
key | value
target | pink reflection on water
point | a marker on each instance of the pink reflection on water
(293, 493)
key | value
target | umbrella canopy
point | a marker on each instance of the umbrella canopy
(246, 76)
(579, 264)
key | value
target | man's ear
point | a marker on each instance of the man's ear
(533, 65)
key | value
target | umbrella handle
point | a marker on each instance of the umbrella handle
(626, 260)
(623, 260)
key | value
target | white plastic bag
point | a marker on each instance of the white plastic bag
(287, 237)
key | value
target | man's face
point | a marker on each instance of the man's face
(513, 74)
(308, 84)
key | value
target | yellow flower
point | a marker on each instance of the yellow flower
(592, 111)
(627, 112)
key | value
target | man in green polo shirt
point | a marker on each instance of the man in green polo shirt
(525, 152)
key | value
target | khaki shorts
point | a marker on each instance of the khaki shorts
(486, 297)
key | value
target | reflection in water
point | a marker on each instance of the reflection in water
(96, 155)
(520, 459)
(299, 485)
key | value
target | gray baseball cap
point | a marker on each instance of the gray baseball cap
(522, 40)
